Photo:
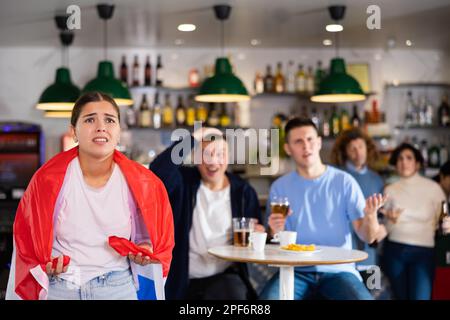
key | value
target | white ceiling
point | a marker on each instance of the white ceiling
(276, 23)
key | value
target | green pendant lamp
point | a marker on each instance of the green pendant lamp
(105, 81)
(338, 85)
(62, 94)
(223, 86)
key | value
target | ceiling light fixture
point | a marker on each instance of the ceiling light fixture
(338, 86)
(223, 86)
(187, 27)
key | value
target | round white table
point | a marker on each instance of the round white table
(286, 261)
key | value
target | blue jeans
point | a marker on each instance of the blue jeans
(331, 286)
(114, 285)
(410, 270)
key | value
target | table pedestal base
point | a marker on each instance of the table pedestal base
(286, 283)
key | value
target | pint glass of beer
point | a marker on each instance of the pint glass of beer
(279, 205)
(242, 227)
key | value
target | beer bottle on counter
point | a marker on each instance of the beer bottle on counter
(145, 119)
(148, 72)
(345, 120)
(356, 120)
(325, 125)
(213, 116)
(300, 80)
(159, 72)
(443, 214)
(156, 112)
(269, 81)
(135, 72)
(279, 79)
(444, 112)
(124, 71)
(131, 117)
(167, 113)
(334, 122)
(225, 120)
(310, 81)
(258, 83)
(180, 112)
(319, 75)
(202, 113)
(190, 112)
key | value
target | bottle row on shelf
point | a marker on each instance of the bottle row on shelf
(434, 154)
(164, 115)
(149, 75)
(421, 112)
(302, 80)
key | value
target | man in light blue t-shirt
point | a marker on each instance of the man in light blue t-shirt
(323, 201)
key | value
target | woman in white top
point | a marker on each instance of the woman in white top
(412, 215)
(75, 202)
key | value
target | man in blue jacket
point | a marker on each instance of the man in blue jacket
(204, 200)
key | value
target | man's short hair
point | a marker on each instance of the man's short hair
(298, 123)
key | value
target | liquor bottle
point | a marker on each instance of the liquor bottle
(190, 112)
(157, 113)
(124, 71)
(202, 113)
(159, 72)
(375, 116)
(300, 80)
(429, 113)
(442, 215)
(225, 120)
(345, 120)
(356, 120)
(135, 71)
(325, 124)
(319, 75)
(148, 72)
(424, 151)
(131, 117)
(422, 111)
(415, 142)
(213, 116)
(444, 112)
(434, 157)
(194, 78)
(269, 81)
(167, 112)
(315, 118)
(334, 122)
(180, 112)
(145, 119)
(290, 77)
(258, 83)
(410, 107)
(279, 79)
(310, 81)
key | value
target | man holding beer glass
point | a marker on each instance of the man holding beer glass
(323, 201)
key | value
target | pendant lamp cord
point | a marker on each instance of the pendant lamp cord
(222, 37)
(336, 41)
(105, 39)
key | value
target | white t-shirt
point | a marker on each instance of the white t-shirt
(421, 198)
(211, 226)
(84, 219)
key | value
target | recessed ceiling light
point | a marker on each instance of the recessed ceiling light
(334, 28)
(327, 42)
(179, 42)
(409, 43)
(187, 27)
(255, 42)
